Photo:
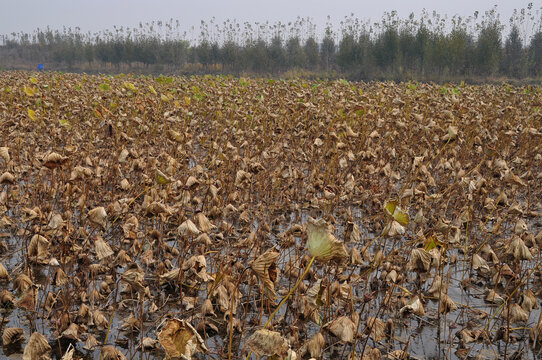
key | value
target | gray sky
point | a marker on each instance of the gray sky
(96, 15)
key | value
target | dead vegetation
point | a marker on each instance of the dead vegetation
(220, 217)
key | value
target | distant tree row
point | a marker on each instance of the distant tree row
(427, 47)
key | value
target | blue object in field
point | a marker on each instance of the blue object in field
(40, 66)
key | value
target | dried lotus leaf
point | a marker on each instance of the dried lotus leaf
(55, 222)
(22, 282)
(191, 181)
(99, 319)
(71, 333)
(515, 315)
(420, 260)
(6, 299)
(393, 228)
(4, 153)
(376, 328)
(180, 340)
(315, 346)
(188, 228)
(54, 160)
(322, 244)
(478, 263)
(447, 304)
(12, 336)
(204, 224)
(266, 268)
(123, 155)
(437, 287)
(28, 299)
(103, 250)
(37, 348)
(343, 328)
(518, 250)
(157, 208)
(98, 216)
(125, 184)
(371, 354)
(90, 343)
(38, 248)
(414, 306)
(7, 178)
(162, 178)
(527, 301)
(4, 275)
(60, 278)
(110, 352)
(493, 297)
(264, 342)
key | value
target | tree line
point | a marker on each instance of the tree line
(428, 47)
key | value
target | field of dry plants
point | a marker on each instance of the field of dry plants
(227, 218)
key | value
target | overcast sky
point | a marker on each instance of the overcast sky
(96, 15)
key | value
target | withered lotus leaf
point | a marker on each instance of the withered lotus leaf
(180, 340)
(7, 178)
(103, 250)
(394, 228)
(414, 306)
(28, 299)
(124, 184)
(322, 244)
(54, 160)
(191, 181)
(266, 268)
(315, 346)
(98, 216)
(447, 304)
(38, 249)
(535, 334)
(371, 354)
(398, 355)
(478, 263)
(343, 328)
(4, 153)
(99, 319)
(265, 342)
(196, 266)
(188, 228)
(204, 224)
(12, 336)
(91, 343)
(149, 344)
(6, 299)
(376, 328)
(4, 275)
(68, 355)
(55, 222)
(162, 178)
(135, 277)
(22, 282)
(515, 314)
(493, 297)
(527, 301)
(112, 353)
(37, 348)
(420, 260)
(437, 287)
(518, 250)
(71, 333)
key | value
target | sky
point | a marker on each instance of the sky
(97, 15)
